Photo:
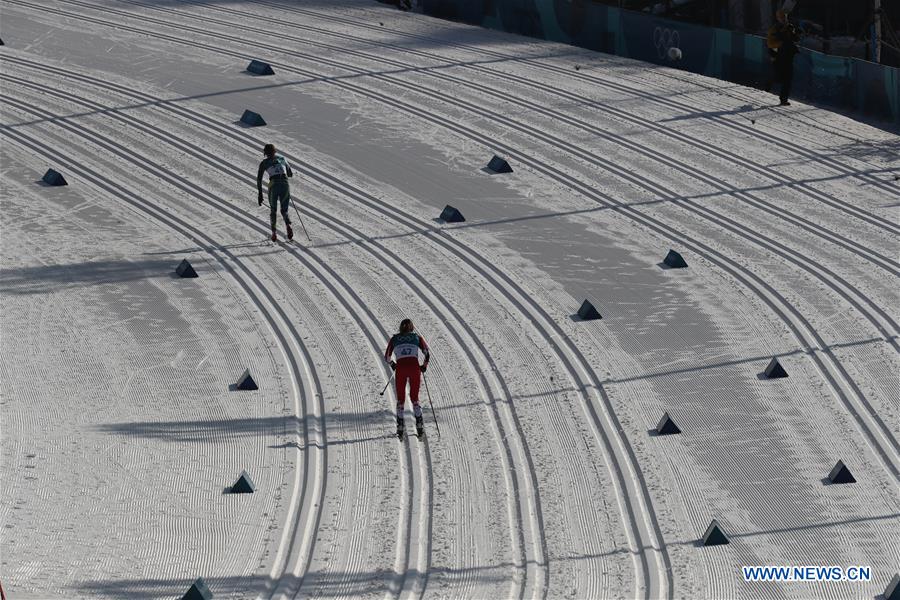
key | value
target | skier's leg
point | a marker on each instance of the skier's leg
(285, 205)
(273, 207)
(415, 380)
(400, 381)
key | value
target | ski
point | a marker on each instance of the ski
(420, 427)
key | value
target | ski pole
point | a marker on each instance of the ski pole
(301, 223)
(431, 404)
(387, 384)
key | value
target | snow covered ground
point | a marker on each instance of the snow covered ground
(120, 433)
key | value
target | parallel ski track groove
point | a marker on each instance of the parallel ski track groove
(306, 556)
(604, 199)
(535, 505)
(644, 505)
(535, 510)
(876, 258)
(795, 257)
(405, 271)
(830, 279)
(281, 327)
(585, 76)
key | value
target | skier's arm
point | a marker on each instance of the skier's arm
(389, 351)
(424, 347)
(259, 176)
(288, 167)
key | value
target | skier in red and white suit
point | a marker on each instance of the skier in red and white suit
(406, 346)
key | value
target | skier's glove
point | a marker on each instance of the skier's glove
(260, 199)
(393, 366)
(423, 368)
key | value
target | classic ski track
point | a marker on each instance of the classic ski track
(873, 420)
(828, 277)
(702, 145)
(587, 77)
(132, 453)
(293, 571)
(642, 504)
(282, 330)
(539, 562)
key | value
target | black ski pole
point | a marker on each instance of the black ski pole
(301, 221)
(387, 384)
(384, 389)
(431, 404)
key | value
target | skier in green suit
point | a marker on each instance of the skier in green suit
(276, 167)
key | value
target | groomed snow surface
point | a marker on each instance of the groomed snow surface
(121, 435)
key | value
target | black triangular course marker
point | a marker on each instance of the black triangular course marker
(185, 269)
(252, 119)
(714, 535)
(667, 426)
(259, 67)
(587, 312)
(246, 382)
(841, 474)
(198, 591)
(674, 260)
(243, 485)
(52, 177)
(451, 215)
(775, 370)
(499, 165)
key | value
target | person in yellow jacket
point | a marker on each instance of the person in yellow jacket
(782, 42)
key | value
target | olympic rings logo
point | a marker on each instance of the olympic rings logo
(664, 39)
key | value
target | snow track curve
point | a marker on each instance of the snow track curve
(323, 552)
(876, 431)
(282, 329)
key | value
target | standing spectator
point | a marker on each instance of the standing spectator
(782, 42)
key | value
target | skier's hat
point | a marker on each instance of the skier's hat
(269, 149)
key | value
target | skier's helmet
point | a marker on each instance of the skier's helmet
(269, 149)
(406, 326)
